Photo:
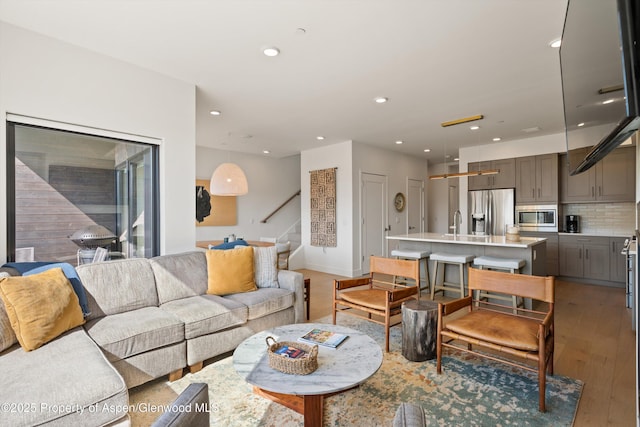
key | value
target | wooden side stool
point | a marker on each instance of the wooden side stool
(307, 294)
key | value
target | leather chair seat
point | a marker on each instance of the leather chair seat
(372, 298)
(498, 328)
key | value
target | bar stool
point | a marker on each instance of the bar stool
(413, 255)
(442, 259)
(513, 265)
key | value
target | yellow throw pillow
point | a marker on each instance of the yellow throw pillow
(230, 271)
(40, 307)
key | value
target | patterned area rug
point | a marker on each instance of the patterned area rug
(469, 392)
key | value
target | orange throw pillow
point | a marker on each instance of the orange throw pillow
(230, 271)
(40, 307)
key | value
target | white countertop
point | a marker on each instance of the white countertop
(466, 239)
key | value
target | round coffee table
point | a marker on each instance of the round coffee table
(352, 363)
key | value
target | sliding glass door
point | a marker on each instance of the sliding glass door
(62, 185)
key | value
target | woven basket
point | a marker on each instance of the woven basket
(300, 366)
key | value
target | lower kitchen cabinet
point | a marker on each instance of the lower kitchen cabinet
(552, 249)
(617, 261)
(586, 257)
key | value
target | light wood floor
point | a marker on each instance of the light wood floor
(594, 343)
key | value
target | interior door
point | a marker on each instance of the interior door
(415, 206)
(374, 217)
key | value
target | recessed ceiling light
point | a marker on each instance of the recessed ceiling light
(608, 101)
(580, 124)
(496, 139)
(380, 99)
(215, 112)
(271, 51)
(455, 159)
(427, 150)
(266, 151)
(474, 127)
(320, 138)
(532, 129)
(555, 43)
(399, 142)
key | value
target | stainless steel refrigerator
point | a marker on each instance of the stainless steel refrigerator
(491, 210)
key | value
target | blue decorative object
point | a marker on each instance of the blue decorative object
(230, 245)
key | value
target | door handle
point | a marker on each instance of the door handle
(580, 254)
(387, 228)
(586, 254)
(411, 228)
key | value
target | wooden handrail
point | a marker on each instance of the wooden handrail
(281, 206)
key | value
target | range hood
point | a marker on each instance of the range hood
(625, 130)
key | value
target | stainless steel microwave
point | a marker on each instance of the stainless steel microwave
(537, 217)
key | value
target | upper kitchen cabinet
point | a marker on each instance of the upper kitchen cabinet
(506, 178)
(537, 179)
(612, 179)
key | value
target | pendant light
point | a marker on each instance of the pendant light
(228, 180)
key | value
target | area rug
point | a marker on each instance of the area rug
(469, 392)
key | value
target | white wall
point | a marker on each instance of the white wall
(271, 182)
(338, 260)
(48, 79)
(352, 159)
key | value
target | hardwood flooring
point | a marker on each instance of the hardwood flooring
(594, 343)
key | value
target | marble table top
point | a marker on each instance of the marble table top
(352, 363)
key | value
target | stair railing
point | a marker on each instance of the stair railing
(281, 206)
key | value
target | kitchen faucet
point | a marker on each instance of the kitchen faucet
(457, 222)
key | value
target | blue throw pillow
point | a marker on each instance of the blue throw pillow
(230, 245)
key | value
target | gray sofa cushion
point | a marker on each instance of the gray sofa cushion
(134, 332)
(206, 314)
(180, 275)
(264, 301)
(118, 286)
(68, 380)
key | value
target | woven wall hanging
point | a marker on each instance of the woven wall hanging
(323, 208)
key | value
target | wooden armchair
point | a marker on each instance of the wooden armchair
(526, 337)
(377, 294)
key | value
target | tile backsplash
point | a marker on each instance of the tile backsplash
(606, 219)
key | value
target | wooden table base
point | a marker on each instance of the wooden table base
(310, 406)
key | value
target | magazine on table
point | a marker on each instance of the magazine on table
(323, 337)
(291, 352)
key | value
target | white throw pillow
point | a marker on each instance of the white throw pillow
(265, 266)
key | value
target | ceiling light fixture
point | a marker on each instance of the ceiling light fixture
(474, 127)
(496, 139)
(320, 138)
(271, 51)
(266, 151)
(228, 180)
(463, 120)
(608, 101)
(215, 112)
(427, 150)
(580, 124)
(399, 142)
(556, 43)
(464, 174)
(380, 100)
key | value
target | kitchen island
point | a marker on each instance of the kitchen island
(530, 249)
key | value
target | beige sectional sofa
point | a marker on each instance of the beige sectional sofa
(149, 318)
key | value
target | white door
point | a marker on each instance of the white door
(374, 217)
(415, 206)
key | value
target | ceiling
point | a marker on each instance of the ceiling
(435, 61)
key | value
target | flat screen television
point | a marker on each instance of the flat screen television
(600, 76)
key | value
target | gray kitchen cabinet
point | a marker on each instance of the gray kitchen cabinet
(506, 178)
(584, 257)
(552, 249)
(537, 179)
(617, 261)
(612, 179)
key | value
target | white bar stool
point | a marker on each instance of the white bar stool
(413, 255)
(442, 259)
(513, 265)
